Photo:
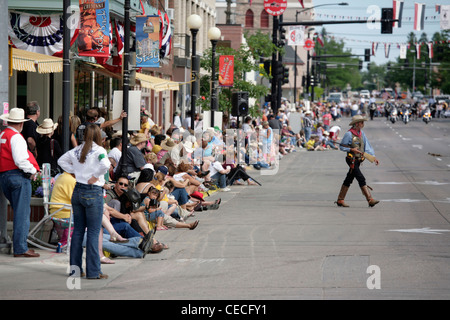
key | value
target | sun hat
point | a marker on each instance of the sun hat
(16, 115)
(138, 138)
(168, 144)
(188, 146)
(356, 119)
(156, 148)
(46, 127)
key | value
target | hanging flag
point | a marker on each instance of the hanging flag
(93, 40)
(430, 50)
(296, 36)
(320, 40)
(250, 2)
(147, 41)
(387, 48)
(167, 38)
(39, 34)
(301, 2)
(226, 71)
(445, 17)
(374, 48)
(403, 51)
(114, 62)
(438, 8)
(418, 50)
(419, 16)
(398, 10)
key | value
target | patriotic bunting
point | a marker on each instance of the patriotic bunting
(419, 16)
(398, 10)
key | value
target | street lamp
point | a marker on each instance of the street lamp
(295, 62)
(194, 23)
(213, 35)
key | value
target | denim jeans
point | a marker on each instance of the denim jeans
(307, 133)
(221, 179)
(87, 206)
(129, 249)
(17, 189)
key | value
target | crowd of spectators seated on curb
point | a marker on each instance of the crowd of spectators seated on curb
(165, 177)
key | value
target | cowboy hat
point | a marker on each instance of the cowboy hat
(356, 119)
(138, 138)
(16, 115)
(168, 144)
(46, 127)
(188, 146)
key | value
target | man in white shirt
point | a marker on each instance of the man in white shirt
(219, 174)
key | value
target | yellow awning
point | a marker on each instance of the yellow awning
(35, 62)
(156, 83)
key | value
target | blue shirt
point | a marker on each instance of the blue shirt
(347, 141)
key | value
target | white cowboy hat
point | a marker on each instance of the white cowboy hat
(188, 146)
(16, 115)
(46, 127)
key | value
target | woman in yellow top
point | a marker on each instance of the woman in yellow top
(62, 193)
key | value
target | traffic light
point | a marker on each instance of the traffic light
(278, 74)
(303, 81)
(367, 55)
(386, 14)
(268, 66)
(285, 75)
(282, 41)
(388, 68)
(239, 101)
(360, 65)
(368, 66)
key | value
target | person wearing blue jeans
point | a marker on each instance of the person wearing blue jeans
(89, 163)
(17, 166)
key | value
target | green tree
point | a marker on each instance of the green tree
(347, 71)
(246, 59)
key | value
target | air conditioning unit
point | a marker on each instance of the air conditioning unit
(171, 13)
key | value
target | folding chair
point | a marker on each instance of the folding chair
(32, 236)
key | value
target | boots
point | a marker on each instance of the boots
(340, 201)
(366, 192)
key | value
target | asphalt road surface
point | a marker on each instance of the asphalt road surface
(287, 240)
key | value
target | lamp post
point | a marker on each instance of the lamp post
(295, 62)
(214, 36)
(194, 23)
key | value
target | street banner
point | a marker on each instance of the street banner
(445, 17)
(419, 16)
(275, 7)
(296, 36)
(398, 12)
(147, 41)
(93, 39)
(226, 71)
(403, 51)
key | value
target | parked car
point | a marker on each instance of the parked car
(335, 97)
(364, 94)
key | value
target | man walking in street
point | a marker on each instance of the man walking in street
(357, 147)
(17, 166)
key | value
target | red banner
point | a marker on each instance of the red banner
(93, 39)
(226, 71)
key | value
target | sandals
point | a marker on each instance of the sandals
(194, 225)
(106, 260)
(162, 228)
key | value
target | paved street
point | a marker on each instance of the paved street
(288, 240)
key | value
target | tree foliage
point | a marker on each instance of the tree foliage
(246, 59)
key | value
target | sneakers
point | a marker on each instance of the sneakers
(225, 189)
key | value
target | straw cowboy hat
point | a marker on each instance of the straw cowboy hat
(16, 115)
(46, 127)
(138, 138)
(168, 144)
(356, 119)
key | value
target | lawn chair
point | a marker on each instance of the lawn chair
(33, 239)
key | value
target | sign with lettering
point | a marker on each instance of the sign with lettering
(275, 7)
(93, 38)
(226, 71)
(147, 41)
